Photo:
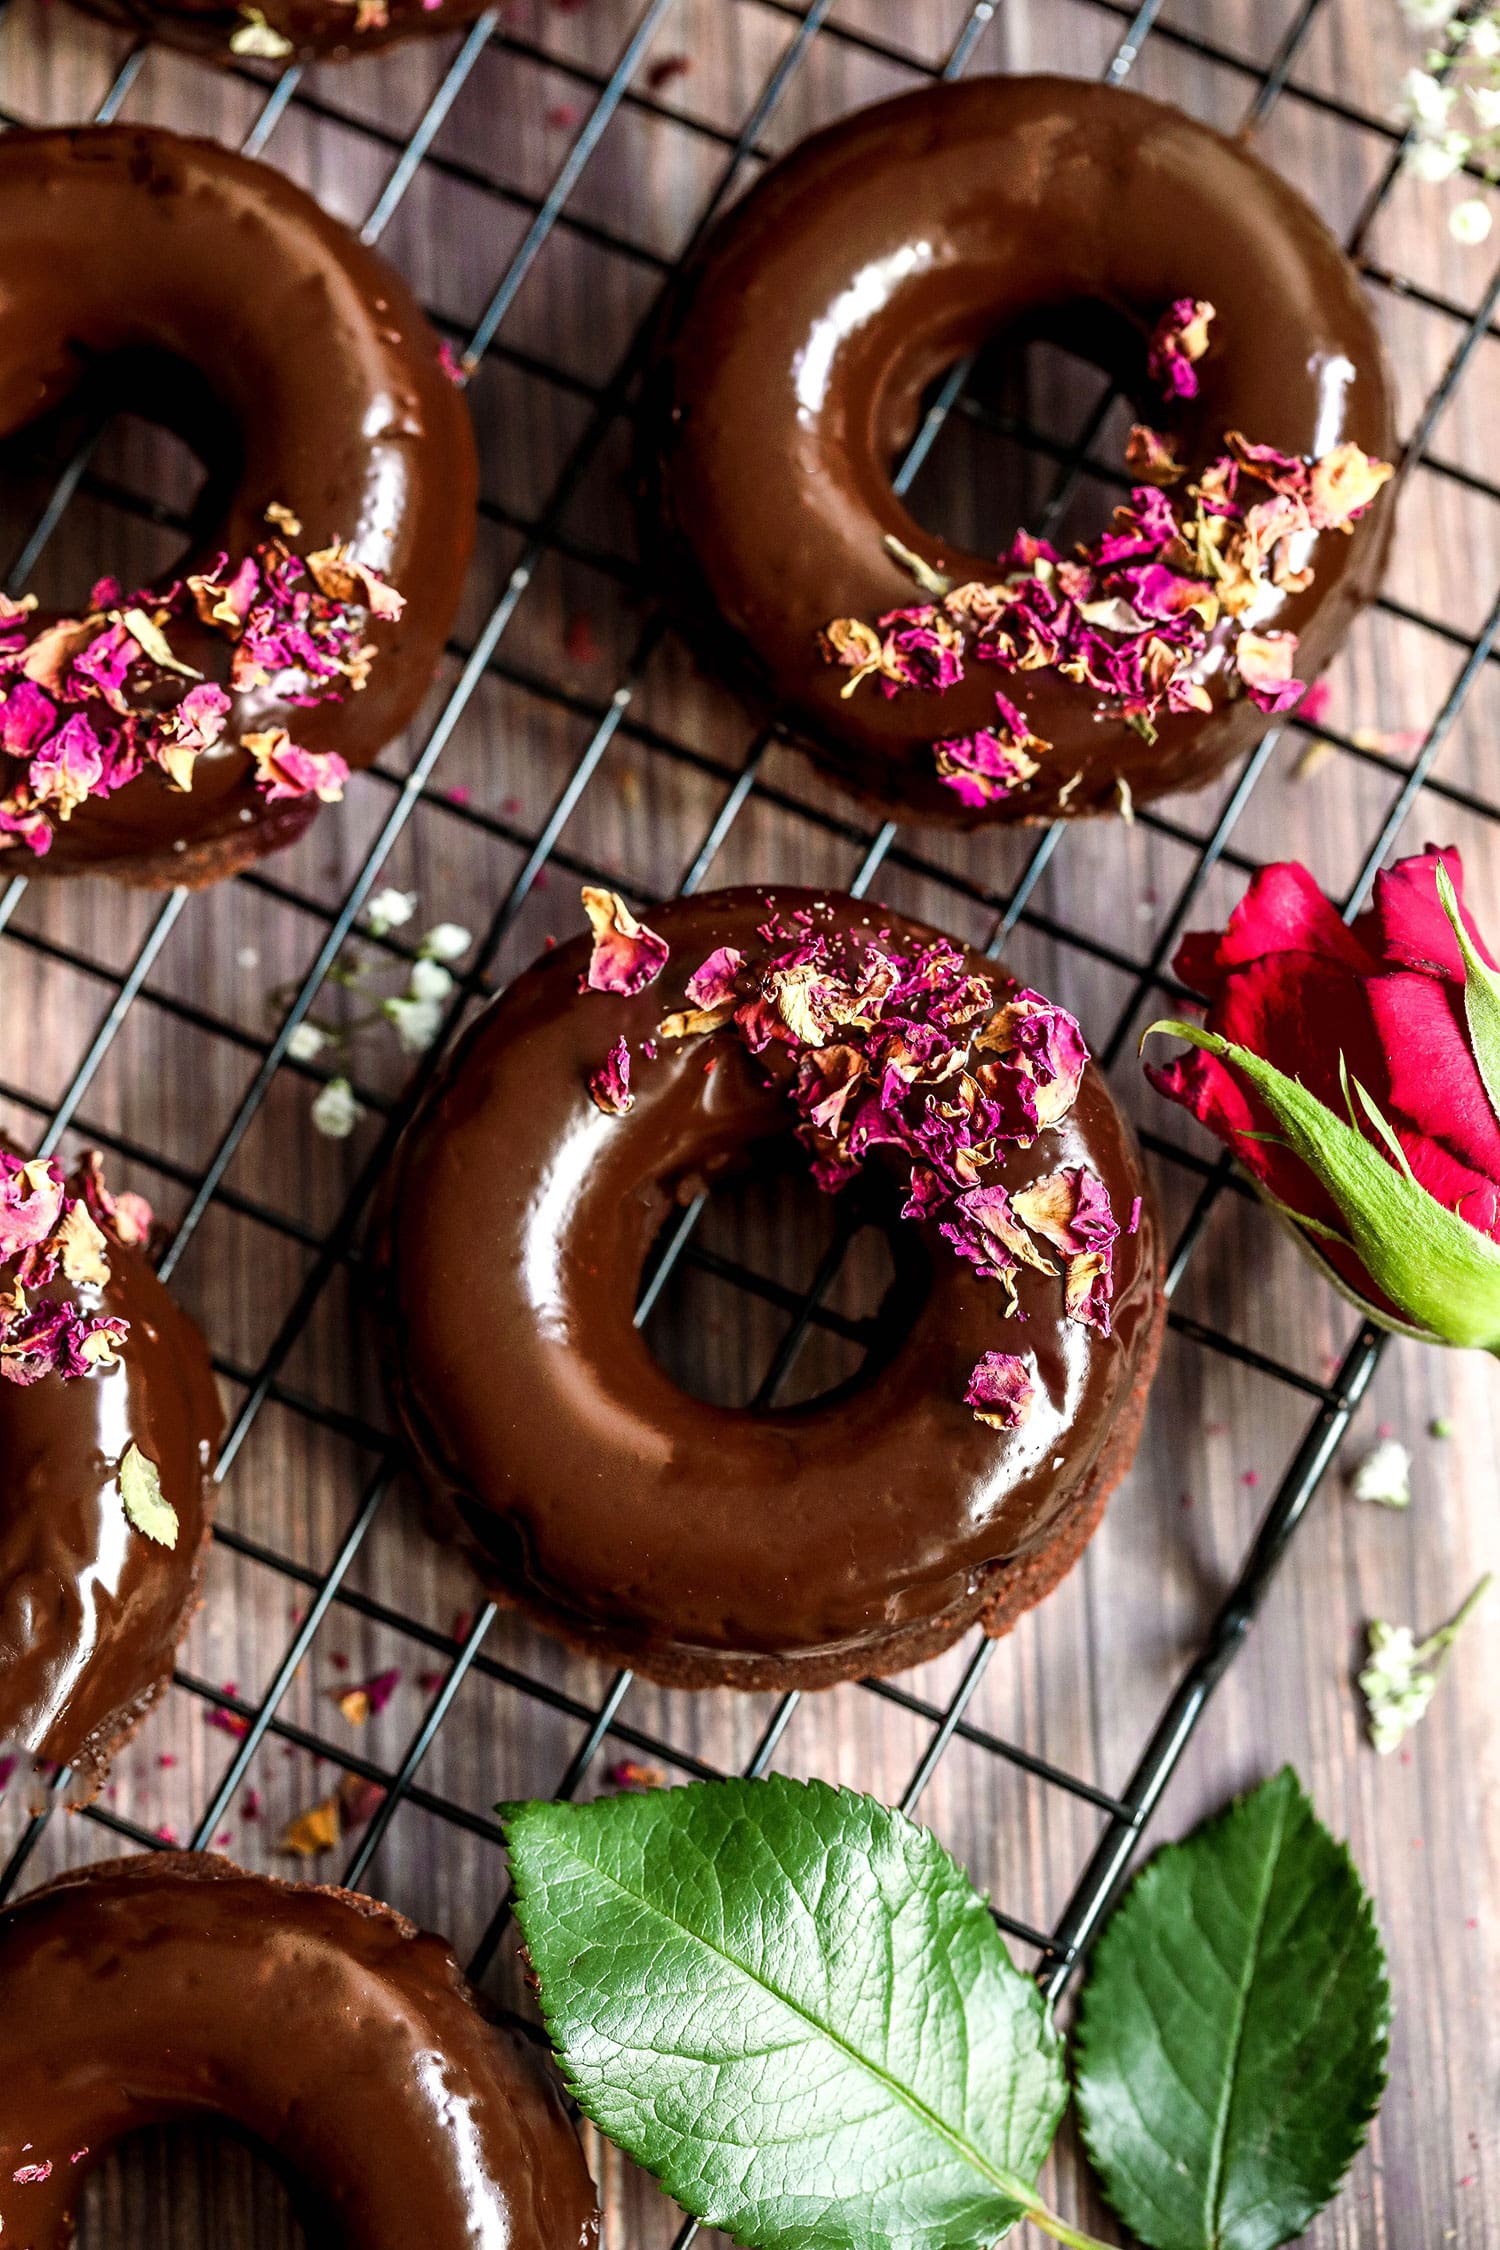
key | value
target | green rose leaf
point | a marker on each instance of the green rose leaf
(1231, 2044)
(1441, 1272)
(140, 1489)
(792, 2006)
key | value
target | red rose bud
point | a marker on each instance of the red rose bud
(1355, 1073)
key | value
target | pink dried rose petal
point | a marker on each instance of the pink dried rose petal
(711, 984)
(1049, 1049)
(1001, 1390)
(27, 715)
(1088, 1288)
(1178, 341)
(996, 1215)
(31, 1202)
(284, 770)
(984, 767)
(626, 956)
(1264, 662)
(68, 766)
(609, 1086)
(26, 823)
(1070, 1209)
(128, 1215)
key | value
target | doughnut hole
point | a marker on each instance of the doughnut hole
(145, 458)
(168, 2188)
(729, 1324)
(1068, 380)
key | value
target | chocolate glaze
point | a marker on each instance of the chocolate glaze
(175, 1986)
(314, 30)
(691, 1540)
(301, 369)
(91, 1611)
(794, 355)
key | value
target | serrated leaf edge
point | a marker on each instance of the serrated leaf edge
(1005, 2183)
(1146, 1879)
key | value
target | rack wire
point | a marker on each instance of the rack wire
(538, 845)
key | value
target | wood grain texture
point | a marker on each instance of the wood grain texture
(1082, 1680)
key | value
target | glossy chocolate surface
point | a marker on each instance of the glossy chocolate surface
(91, 1610)
(300, 368)
(793, 360)
(176, 1987)
(313, 30)
(607, 1501)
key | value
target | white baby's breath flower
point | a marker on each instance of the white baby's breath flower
(1383, 1476)
(1438, 159)
(254, 36)
(430, 980)
(388, 910)
(446, 941)
(1401, 1673)
(1395, 1688)
(1483, 41)
(1485, 103)
(306, 1042)
(1469, 222)
(1427, 100)
(1427, 15)
(417, 1022)
(337, 1110)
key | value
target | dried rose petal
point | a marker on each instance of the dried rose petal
(626, 955)
(284, 770)
(80, 1248)
(1070, 1209)
(68, 766)
(1179, 339)
(711, 984)
(1264, 662)
(312, 1832)
(1001, 1391)
(609, 1086)
(1149, 456)
(1087, 1288)
(31, 1202)
(1049, 1050)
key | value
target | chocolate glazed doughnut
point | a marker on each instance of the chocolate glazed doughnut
(794, 355)
(176, 733)
(175, 1987)
(92, 1371)
(285, 30)
(700, 1544)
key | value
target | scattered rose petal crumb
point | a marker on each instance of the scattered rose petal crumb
(629, 1773)
(1383, 1475)
(663, 72)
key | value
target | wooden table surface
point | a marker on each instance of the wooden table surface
(1082, 1680)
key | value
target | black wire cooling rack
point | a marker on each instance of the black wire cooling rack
(1331, 1402)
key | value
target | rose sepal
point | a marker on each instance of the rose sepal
(1442, 1273)
(1302, 1229)
(1481, 993)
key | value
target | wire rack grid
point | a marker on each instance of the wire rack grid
(539, 841)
